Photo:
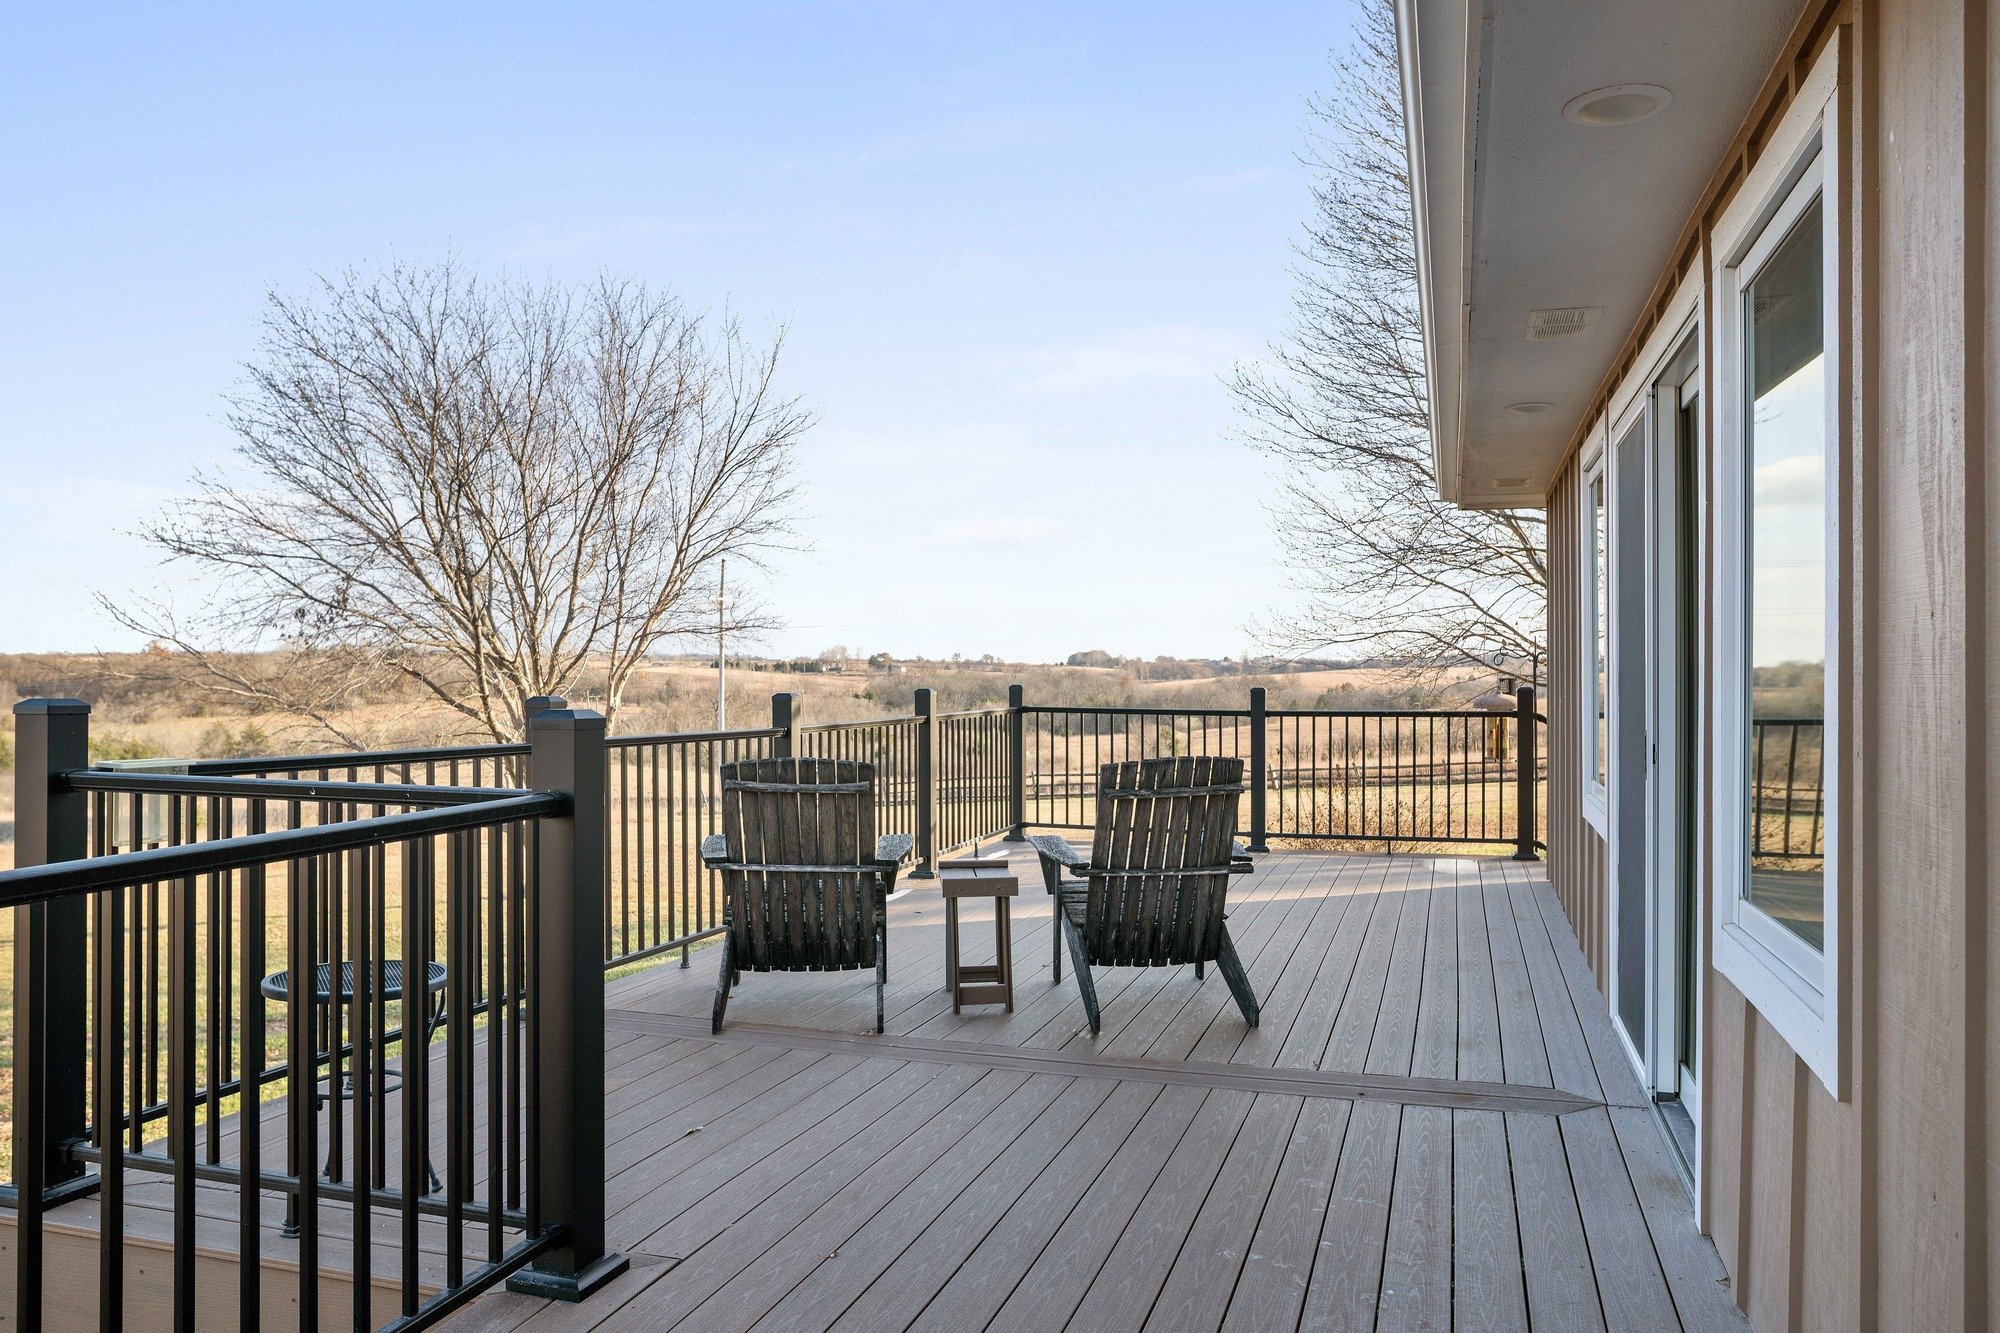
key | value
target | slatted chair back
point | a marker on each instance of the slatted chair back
(802, 889)
(1175, 816)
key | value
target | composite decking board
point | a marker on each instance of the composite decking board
(1345, 1285)
(1629, 1280)
(770, 1276)
(1305, 1045)
(1209, 1026)
(1485, 1237)
(793, 1109)
(750, 1268)
(1270, 1289)
(696, 1134)
(1056, 1282)
(726, 1232)
(816, 1156)
(1570, 1062)
(849, 1105)
(710, 1082)
(1693, 1269)
(1165, 1187)
(697, 1095)
(1285, 1006)
(1160, 1008)
(1614, 1069)
(1523, 1057)
(1555, 1257)
(1435, 1052)
(993, 1266)
(1122, 1291)
(1195, 1072)
(1416, 1259)
(1478, 1007)
(1354, 1025)
(1203, 1277)
(1392, 1045)
(826, 1292)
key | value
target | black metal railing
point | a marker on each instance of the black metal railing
(179, 896)
(1407, 777)
(1788, 788)
(187, 943)
(665, 797)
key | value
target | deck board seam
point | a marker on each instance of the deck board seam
(1396, 1089)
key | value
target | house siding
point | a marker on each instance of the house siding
(1578, 857)
(1870, 1210)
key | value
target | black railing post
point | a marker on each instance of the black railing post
(1259, 772)
(566, 1008)
(1527, 760)
(51, 971)
(533, 704)
(785, 719)
(927, 793)
(1017, 766)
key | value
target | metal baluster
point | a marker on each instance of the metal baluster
(361, 955)
(249, 1113)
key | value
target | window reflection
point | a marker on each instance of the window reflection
(1787, 583)
(1600, 683)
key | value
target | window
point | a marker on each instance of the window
(1776, 893)
(1784, 314)
(1596, 656)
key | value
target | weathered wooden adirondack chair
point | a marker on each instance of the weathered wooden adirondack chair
(804, 878)
(1151, 892)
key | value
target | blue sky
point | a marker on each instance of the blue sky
(1018, 248)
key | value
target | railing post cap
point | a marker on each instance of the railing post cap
(50, 708)
(567, 719)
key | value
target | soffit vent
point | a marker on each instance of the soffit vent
(1562, 322)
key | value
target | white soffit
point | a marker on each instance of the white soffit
(1521, 211)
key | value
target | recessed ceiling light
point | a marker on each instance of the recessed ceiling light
(1620, 104)
(1528, 409)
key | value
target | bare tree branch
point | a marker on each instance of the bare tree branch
(489, 489)
(1385, 565)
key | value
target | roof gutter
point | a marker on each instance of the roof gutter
(1437, 55)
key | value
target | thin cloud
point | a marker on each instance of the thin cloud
(1235, 180)
(1162, 352)
(996, 533)
(537, 242)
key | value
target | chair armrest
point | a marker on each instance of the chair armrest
(714, 848)
(890, 849)
(1239, 859)
(1057, 856)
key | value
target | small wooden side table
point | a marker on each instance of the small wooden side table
(979, 983)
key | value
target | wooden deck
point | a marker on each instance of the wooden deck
(1433, 1127)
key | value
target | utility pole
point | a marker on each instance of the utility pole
(721, 661)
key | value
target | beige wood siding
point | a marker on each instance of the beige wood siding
(1872, 1210)
(1577, 855)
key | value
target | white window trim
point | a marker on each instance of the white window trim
(1798, 991)
(1595, 564)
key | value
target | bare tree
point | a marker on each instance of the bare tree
(1387, 567)
(489, 489)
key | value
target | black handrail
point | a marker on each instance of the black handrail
(157, 865)
(287, 789)
(496, 886)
